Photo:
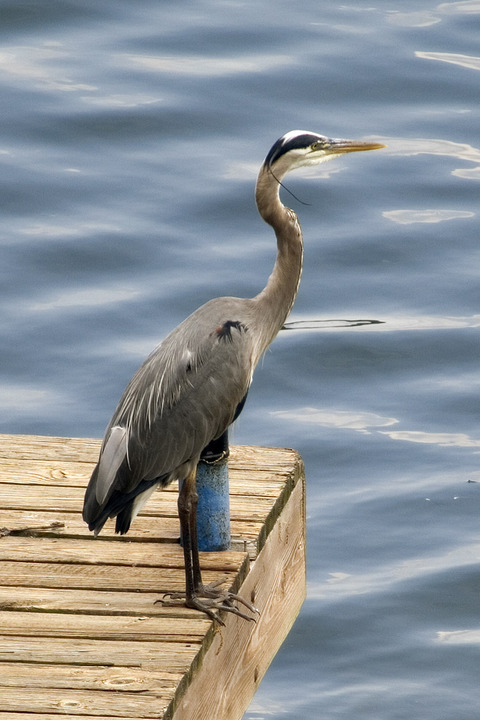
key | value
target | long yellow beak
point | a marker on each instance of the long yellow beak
(339, 146)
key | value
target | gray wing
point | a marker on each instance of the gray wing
(183, 396)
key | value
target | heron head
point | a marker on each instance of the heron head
(301, 148)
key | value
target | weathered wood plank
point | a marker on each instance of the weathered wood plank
(40, 447)
(85, 450)
(165, 529)
(26, 472)
(86, 677)
(176, 657)
(86, 552)
(102, 577)
(117, 627)
(80, 702)
(54, 716)
(93, 602)
(61, 499)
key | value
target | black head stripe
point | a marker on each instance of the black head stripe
(283, 146)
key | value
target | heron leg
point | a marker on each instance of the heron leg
(207, 598)
(187, 512)
(197, 584)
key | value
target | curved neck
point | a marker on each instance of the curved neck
(275, 301)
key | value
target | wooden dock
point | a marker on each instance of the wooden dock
(80, 635)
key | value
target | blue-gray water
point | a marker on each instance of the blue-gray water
(130, 138)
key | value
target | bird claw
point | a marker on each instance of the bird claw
(209, 598)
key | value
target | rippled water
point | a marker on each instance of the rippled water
(131, 136)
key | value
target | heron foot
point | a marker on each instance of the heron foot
(210, 598)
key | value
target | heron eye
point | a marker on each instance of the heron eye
(316, 145)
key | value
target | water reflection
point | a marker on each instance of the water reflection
(422, 18)
(90, 297)
(30, 398)
(367, 422)
(340, 584)
(126, 100)
(468, 174)
(49, 231)
(406, 146)
(325, 324)
(209, 66)
(459, 637)
(469, 7)
(408, 217)
(467, 61)
(388, 323)
(425, 18)
(27, 62)
(429, 438)
(344, 419)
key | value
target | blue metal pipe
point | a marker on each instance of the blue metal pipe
(213, 511)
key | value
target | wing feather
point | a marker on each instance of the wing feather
(112, 456)
(184, 396)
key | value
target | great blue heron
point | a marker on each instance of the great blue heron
(178, 406)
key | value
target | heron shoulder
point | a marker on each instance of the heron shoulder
(212, 348)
